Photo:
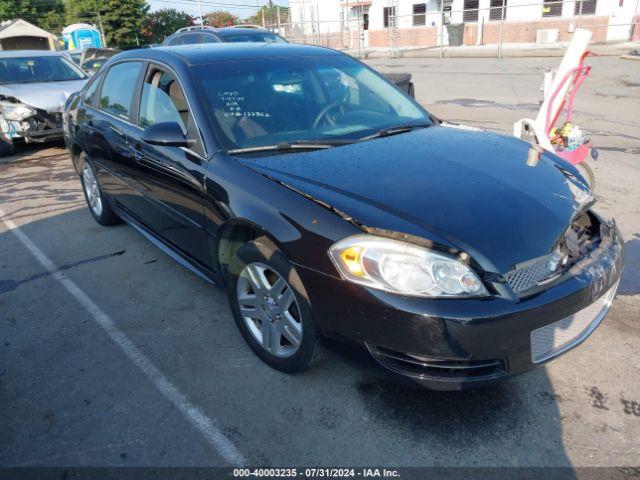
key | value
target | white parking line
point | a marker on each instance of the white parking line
(206, 425)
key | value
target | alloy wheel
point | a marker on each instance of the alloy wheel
(269, 309)
(91, 189)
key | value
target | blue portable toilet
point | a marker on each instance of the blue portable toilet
(80, 36)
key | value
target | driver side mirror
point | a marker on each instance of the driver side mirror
(165, 134)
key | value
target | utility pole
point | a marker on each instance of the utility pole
(441, 28)
(279, 18)
(502, 15)
(271, 13)
(104, 39)
(580, 15)
(200, 12)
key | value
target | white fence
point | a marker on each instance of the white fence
(367, 26)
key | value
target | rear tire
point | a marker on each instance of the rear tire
(271, 307)
(98, 203)
(587, 173)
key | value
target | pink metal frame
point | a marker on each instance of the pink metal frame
(576, 76)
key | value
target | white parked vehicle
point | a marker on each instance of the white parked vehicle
(34, 87)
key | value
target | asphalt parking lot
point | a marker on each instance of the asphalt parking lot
(144, 366)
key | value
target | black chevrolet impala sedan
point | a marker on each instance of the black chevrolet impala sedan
(327, 203)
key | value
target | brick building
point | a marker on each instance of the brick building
(419, 23)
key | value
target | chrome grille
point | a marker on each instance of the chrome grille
(557, 337)
(526, 277)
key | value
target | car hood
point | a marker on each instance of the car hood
(50, 96)
(470, 190)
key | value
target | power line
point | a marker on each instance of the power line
(204, 3)
(190, 2)
(36, 17)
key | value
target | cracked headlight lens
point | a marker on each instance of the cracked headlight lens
(16, 111)
(404, 268)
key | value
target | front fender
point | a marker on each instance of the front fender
(303, 229)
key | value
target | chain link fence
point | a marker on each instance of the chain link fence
(394, 27)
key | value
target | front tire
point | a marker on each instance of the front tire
(6, 147)
(271, 307)
(97, 202)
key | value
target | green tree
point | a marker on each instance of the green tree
(82, 11)
(122, 21)
(46, 14)
(268, 18)
(160, 24)
(220, 18)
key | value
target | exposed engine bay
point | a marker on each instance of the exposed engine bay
(581, 238)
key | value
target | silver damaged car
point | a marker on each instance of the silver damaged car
(34, 87)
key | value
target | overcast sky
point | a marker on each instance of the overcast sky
(241, 8)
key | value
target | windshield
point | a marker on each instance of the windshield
(324, 98)
(265, 37)
(38, 69)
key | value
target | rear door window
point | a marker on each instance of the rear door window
(118, 89)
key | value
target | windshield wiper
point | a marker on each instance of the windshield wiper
(287, 146)
(387, 132)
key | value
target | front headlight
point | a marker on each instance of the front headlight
(404, 268)
(16, 111)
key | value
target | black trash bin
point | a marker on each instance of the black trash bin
(456, 34)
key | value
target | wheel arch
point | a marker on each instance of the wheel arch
(75, 151)
(232, 235)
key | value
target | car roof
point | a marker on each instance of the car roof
(204, 53)
(28, 53)
(214, 30)
(240, 30)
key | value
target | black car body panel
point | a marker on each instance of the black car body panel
(454, 190)
(467, 331)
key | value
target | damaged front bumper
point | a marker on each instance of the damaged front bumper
(451, 344)
(37, 126)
